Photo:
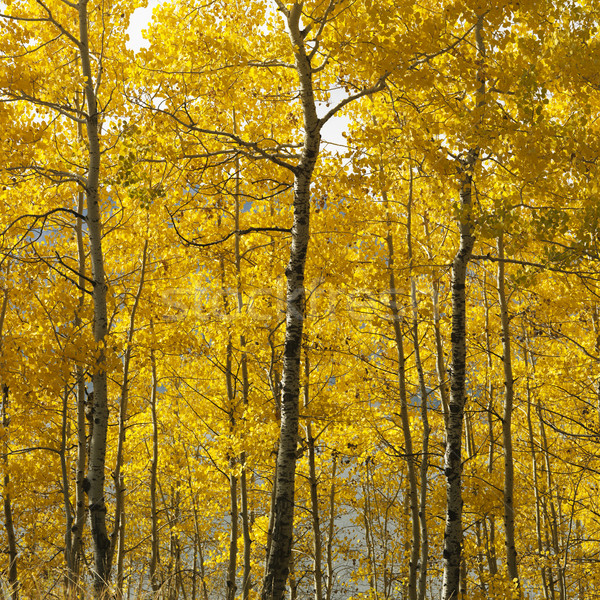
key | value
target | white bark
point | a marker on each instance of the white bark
(97, 458)
(453, 533)
(283, 509)
(453, 455)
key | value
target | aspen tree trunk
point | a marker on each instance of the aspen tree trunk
(155, 579)
(480, 571)
(233, 535)
(13, 572)
(440, 367)
(247, 565)
(413, 494)
(490, 384)
(369, 538)
(246, 582)
(64, 469)
(331, 529)
(97, 458)
(283, 508)
(175, 579)
(314, 497)
(552, 520)
(118, 533)
(454, 427)
(509, 477)
(424, 394)
(453, 533)
(536, 480)
(198, 552)
(82, 449)
(230, 577)
(549, 522)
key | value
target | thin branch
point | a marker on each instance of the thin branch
(75, 271)
(58, 25)
(236, 139)
(429, 57)
(380, 85)
(232, 233)
(533, 264)
(44, 216)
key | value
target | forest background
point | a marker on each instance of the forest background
(237, 361)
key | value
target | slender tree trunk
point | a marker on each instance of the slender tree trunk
(64, 469)
(413, 494)
(490, 544)
(489, 377)
(424, 395)
(440, 367)
(453, 455)
(175, 579)
(82, 446)
(200, 555)
(480, 570)
(283, 509)
(97, 460)
(536, 482)
(453, 533)
(331, 529)
(509, 477)
(247, 565)
(155, 579)
(314, 496)
(552, 519)
(369, 538)
(13, 573)
(233, 536)
(118, 533)
(230, 577)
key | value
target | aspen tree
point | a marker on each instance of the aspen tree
(453, 457)
(406, 426)
(13, 567)
(509, 486)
